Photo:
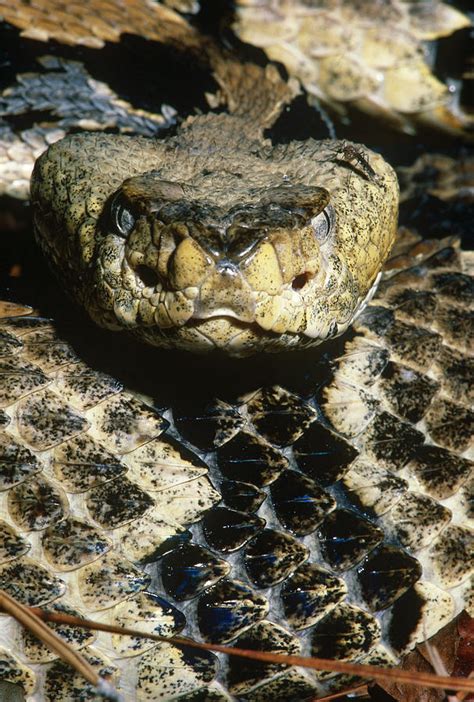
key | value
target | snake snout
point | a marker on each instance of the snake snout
(226, 293)
(254, 265)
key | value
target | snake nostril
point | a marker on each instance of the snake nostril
(147, 275)
(300, 281)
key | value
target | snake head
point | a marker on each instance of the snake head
(186, 247)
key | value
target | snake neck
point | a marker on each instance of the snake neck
(219, 133)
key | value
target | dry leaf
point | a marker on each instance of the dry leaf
(10, 309)
(455, 645)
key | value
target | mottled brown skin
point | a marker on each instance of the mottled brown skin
(215, 238)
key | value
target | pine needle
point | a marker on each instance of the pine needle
(28, 617)
(368, 672)
(342, 693)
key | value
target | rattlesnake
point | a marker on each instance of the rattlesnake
(344, 473)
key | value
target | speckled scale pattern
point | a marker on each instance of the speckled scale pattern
(117, 503)
(18, 378)
(346, 631)
(299, 502)
(37, 652)
(218, 522)
(271, 556)
(407, 392)
(373, 489)
(30, 582)
(81, 463)
(309, 594)
(209, 426)
(248, 457)
(146, 612)
(242, 496)
(165, 672)
(62, 682)
(71, 543)
(12, 670)
(46, 350)
(190, 569)
(417, 519)
(451, 424)
(12, 544)
(16, 460)
(83, 387)
(345, 538)
(44, 420)
(229, 608)
(439, 471)
(281, 417)
(227, 530)
(35, 504)
(264, 636)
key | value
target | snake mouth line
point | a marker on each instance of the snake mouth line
(225, 332)
(232, 321)
(241, 324)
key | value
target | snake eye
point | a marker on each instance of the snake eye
(122, 218)
(322, 224)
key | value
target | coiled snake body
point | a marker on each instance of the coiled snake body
(325, 512)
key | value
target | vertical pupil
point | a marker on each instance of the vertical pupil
(124, 219)
(321, 224)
